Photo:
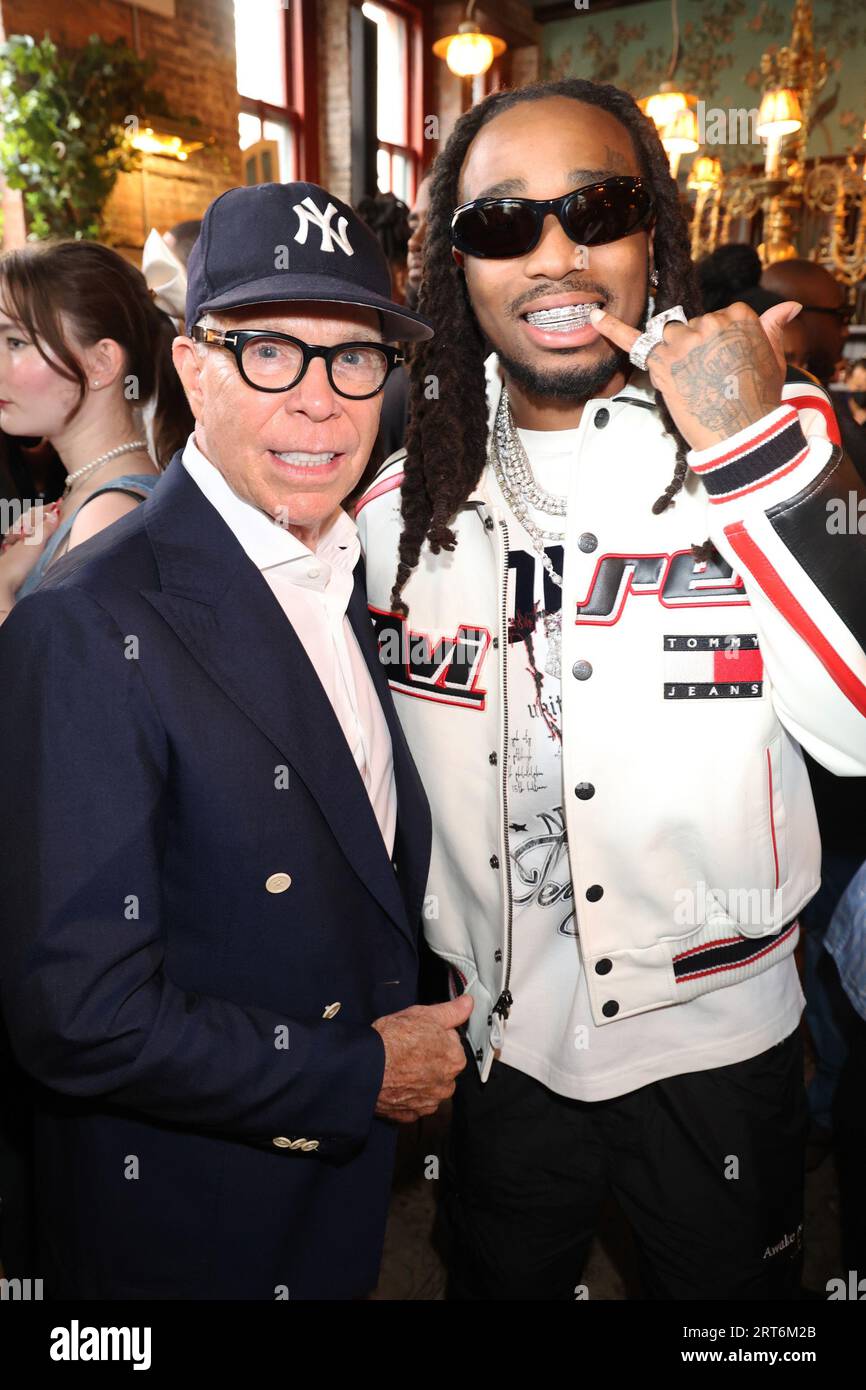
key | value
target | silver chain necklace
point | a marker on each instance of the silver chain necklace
(513, 473)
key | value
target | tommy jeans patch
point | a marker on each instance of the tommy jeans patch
(727, 666)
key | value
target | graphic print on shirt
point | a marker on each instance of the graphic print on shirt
(526, 625)
(541, 874)
(538, 845)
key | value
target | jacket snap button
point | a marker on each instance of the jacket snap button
(494, 861)
(587, 542)
(488, 522)
(610, 1008)
(594, 892)
(496, 643)
(497, 955)
(603, 967)
(584, 790)
(581, 670)
(278, 883)
(478, 1055)
(492, 760)
(601, 418)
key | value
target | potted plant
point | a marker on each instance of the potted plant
(65, 117)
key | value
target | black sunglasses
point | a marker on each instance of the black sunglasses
(270, 361)
(493, 228)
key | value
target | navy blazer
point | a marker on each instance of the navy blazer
(192, 880)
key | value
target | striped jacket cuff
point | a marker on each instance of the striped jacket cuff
(752, 458)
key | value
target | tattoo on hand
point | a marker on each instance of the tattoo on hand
(724, 382)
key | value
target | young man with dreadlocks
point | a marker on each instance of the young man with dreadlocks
(608, 716)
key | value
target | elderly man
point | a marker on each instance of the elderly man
(217, 843)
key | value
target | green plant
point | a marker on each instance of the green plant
(65, 115)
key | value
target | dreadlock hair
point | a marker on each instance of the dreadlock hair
(446, 440)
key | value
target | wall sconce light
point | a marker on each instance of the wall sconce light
(680, 137)
(469, 53)
(663, 105)
(779, 115)
(705, 173)
(159, 135)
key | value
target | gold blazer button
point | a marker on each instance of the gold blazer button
(278, 883)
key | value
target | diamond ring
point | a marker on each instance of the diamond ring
(653, 334)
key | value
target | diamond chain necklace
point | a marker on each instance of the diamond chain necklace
(517, 483)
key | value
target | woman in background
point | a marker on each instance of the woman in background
(82, 349)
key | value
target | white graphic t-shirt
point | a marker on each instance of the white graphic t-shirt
(550, 1033)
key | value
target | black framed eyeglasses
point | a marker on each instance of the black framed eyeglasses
(595, 213)
(843, 314)
(270, 361)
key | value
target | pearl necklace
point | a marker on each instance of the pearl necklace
(513, 473)
(104, 458)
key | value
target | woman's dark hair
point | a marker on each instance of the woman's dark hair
(446, 440)
(387, 216)
(725, 273)
(101, 296)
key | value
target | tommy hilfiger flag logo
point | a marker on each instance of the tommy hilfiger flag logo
(724, 667)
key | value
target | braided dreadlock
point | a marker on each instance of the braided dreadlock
(446, 439)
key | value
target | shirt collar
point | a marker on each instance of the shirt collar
(638, 390)
(264, 540)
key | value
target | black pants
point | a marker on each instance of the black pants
(849, 1136)
(707, 1167)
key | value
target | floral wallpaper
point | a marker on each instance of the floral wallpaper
(721, 42)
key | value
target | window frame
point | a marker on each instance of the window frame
(300, 113)
(413, 79)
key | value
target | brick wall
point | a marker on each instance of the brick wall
(195, 70)
(335, 124)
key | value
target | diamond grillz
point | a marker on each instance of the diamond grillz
(562, 319)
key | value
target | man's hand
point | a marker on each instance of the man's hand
(718, 373)
(423, 1054)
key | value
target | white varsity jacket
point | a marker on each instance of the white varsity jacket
(687, 689)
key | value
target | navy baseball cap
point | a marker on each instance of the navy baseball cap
(287, 242)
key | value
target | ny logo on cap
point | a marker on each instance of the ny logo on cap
(308, 214)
